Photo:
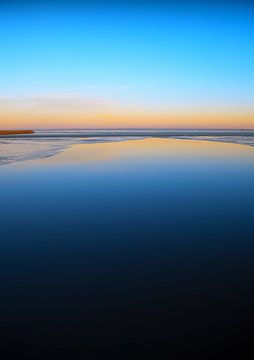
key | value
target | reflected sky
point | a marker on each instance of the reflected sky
(128, 248)
(142, 151)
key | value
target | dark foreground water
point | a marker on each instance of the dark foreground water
(132, 250)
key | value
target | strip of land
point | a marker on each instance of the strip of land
(126, 133)
(16, 132)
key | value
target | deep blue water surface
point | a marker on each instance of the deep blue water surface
(144, 255)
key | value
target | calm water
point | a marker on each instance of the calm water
(132, 250)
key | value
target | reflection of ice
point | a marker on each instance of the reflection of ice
(241, 140)
(20, 149)
(48, 143)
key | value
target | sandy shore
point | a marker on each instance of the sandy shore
(16, 132)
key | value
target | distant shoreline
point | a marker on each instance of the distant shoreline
(159, 133)
(16, 132)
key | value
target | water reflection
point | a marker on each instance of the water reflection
(145, 150)
(130, 250)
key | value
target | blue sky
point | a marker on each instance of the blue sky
(158, 57)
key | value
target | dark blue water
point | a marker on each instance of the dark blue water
(135, 257)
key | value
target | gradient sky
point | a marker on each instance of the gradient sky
(138, 64)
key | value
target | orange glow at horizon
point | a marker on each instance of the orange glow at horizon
(16, 119)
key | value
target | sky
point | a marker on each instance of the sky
(129, 64)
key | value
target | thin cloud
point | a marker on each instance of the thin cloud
(62, 102)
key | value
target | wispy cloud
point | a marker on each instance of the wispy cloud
(59, 102)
